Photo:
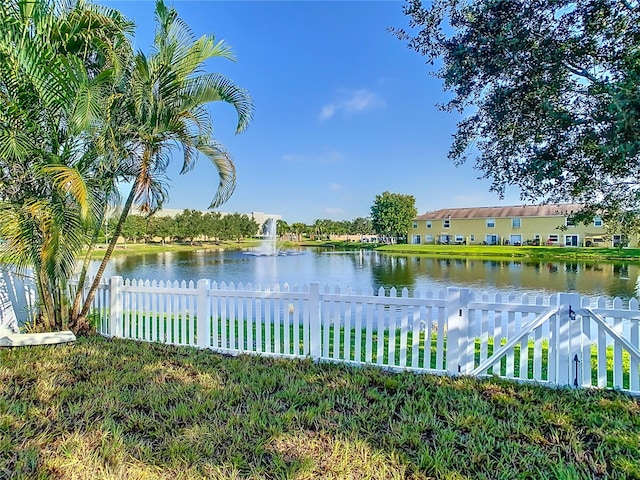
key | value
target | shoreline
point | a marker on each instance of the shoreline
(483, 252)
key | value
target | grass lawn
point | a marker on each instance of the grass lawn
(144, 248)
(502, 252)
(353, 346)
(485, 252)
(116, 409)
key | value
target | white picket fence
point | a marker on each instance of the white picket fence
(562, 339)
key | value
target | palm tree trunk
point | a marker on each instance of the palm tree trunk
(83, 275)
(79, 321)
(47, 310)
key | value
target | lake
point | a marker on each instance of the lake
(370, 268)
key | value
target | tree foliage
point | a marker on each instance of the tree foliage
(392, 214)
(160, 105)
(80, 113)
(57, 62)
(549, 91)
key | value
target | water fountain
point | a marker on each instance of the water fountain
(269, 244)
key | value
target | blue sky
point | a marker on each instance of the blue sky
(343, 111)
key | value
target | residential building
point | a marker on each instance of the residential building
(509, 225)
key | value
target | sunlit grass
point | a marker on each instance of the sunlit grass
(488, 252)
(123, 249)
(120, 409)
(287, 339)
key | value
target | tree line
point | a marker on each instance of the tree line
(191, 225)
(187, 226)
(391, 217)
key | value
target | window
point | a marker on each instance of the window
(459, 238)
(491, 222)
(472, 238)
(570, 222)
(515, 223)
(415, 225)
(515, 240)
(428, 223)
(552, 239)
(428, 239)
(446, 223)
(491, 239)
(597, 222)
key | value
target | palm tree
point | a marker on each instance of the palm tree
(56, 62)
(161, 105)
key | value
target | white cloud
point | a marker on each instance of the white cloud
(327, 111)
(352, 102)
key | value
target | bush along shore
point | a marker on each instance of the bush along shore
(114, 409)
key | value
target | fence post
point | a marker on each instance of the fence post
(466, 340)
(115, 307)
(455, 331)
(202, 315)
(315, 335)
(568, 341)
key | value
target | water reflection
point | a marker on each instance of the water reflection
(610, 279)
(367, 268)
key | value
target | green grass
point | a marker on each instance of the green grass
(146, 248)
(119, 409)
(174, 332)
(501, 252)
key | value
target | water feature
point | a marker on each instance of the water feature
(369, 268)
(269, 244)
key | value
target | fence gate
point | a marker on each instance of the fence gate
(568, 344)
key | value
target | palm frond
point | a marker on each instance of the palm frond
(215, 87)
(15, 145)
(226, 170)
(71, 181)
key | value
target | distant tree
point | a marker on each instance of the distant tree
(550, 90)
(299, 229)
(362, 226)
(282, 228)
(341, 227)
(212, 224)
(318, 228)
(323, 228)
(163, 227)
(237, 226)
(134, 228)
(248, 226)
(189, 225)
(392, 214)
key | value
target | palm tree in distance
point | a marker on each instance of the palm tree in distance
(162, 105)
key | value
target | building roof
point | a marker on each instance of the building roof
(551, 210)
